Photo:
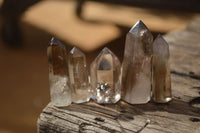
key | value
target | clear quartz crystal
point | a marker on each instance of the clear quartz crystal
(136, 66)
(58, 74)
(105, 74)
(161, 71)
(78, 74)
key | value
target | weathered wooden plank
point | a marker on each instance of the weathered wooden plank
(181, 115)
(123, 117)
(185, 49)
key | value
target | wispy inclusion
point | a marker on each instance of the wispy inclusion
(161, 71)
(136, 66)
(58, 74)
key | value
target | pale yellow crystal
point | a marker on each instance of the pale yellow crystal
(161, 71)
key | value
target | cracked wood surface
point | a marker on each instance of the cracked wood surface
(181, 115)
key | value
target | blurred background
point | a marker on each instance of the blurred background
(26, 27)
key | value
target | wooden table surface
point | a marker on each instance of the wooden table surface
(181, 115)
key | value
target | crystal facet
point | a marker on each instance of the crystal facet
(58, 75)
(105, 74)
(161, 71)
(136, 66)
(78, 74)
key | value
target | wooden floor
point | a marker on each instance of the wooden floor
(24, 90)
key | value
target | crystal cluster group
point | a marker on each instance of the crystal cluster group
(144, 73)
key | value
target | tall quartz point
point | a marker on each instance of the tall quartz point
(58, 74)
(136, 66)
(106, 77)
(78, 74)
(161, 71)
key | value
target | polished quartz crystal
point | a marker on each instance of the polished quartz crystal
(161, 71)
(78, 74)
(58, 74)
(136, 66)
(105, 74)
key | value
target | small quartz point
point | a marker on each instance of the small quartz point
(136, 66)
(78, 74)
(161, 71)
(105, 74)
(58, 74)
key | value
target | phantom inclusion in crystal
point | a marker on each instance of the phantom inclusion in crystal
(106, 77)
(161, 71)
(58, 74)
(136, 66)
(78, 74)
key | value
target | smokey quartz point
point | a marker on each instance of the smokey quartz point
(161, 71)
(106, 77)
(136, 66)
(58, 74)
(78, 74)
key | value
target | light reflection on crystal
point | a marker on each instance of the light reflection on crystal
(105, 77)
(78, 76)
(136, 66)
(58, 75)
(161, 71)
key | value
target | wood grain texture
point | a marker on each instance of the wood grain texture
(185, 49)
(181, 115)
